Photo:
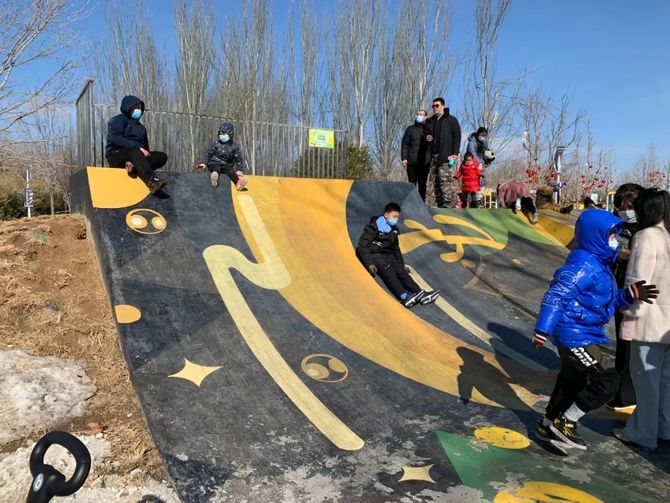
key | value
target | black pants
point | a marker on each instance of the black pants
(396, 279)
(418, 175)
(625, 395)
(582, 380)
(145, 166)
(471, 197)
(528, 205)
(226, 169)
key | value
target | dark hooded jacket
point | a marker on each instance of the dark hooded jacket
(379, 244)
(446, 133)
(413, 147)
(225, 154)
(125, 132)
(583, 295)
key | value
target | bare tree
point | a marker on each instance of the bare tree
(195, 33)
(489, 101)
(34, 32)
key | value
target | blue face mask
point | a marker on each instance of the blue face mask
(418, 119)
(137, 113)
(224, 138)
(481, 138)
(392, 221)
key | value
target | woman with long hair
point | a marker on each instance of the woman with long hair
(648, 325)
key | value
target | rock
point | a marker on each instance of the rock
(15, 477)
(39, 393)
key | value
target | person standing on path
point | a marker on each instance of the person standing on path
(624, 200)
(443, 132)
(648, 325)
(413, 153)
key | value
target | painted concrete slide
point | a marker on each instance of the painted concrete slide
(272, 367)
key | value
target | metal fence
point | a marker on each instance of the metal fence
(268, 148)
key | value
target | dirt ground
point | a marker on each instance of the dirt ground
(52, 302)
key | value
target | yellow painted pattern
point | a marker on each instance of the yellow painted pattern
(146, 221)
(502, 437)
(194, 372)
(421, 473)
(269, 273)
(562, 232)
(113, 188)
(545, 492)
(126, 314)
(422, 235)
(306, 222)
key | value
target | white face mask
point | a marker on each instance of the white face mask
(628, 216)
(614, 243)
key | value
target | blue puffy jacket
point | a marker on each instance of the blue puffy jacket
(125, 132)
(583, 294)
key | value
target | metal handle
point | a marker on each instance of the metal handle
(49, 482)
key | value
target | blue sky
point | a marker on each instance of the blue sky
(611, 54)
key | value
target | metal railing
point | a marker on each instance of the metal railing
(268, 148)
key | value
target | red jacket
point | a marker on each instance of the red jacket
(470, 176)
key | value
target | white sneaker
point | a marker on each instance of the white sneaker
(214, 178)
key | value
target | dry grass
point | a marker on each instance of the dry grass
(53, 303)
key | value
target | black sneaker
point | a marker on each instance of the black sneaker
(566, 431)
(155, 184)
(413, 299)
(430, 297)
(544, 432)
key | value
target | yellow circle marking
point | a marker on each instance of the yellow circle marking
(324, 368)
(337, 365)
(126, 314)
(502, 437)
(545, 492)
(158, 222)
(138, 220)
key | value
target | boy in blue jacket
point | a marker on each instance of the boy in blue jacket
(581, 299)
(128, 145)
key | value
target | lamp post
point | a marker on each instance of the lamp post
(557, 163)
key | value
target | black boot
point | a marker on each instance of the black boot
(155, 184)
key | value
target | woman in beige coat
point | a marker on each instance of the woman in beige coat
(648, 325)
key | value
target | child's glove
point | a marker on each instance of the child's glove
(451, 160)
(538, 340)
(641, 291)
(239, 174)
(372, 269)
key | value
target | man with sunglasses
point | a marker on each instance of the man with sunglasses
(443, 132)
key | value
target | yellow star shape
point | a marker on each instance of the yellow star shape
(194, 372)
(417, 473)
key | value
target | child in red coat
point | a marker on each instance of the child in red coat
(470, 174)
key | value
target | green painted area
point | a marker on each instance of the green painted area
(499, 223)
(482, 466)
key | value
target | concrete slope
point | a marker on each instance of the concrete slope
(271, 367)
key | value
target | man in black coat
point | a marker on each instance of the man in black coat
(379, 251)
(413, 153)
(443, 132)
(128, 145)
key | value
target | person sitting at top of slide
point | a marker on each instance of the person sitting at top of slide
(379, 251)
(128, 145)
(225, 156)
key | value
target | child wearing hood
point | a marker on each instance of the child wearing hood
(379, 251)
(470, 174)
(225, 157)
(581, 299)
(128, 145)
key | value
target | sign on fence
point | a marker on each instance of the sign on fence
(322, 138)
(28, 198)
